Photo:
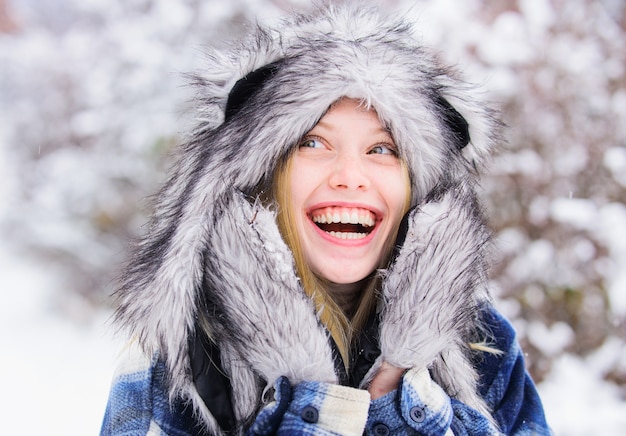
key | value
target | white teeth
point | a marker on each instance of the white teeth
(344, 235)
(354, 217)
(344, 216)
(336, 217)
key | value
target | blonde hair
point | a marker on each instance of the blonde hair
(341, 328)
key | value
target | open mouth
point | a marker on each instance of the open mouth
(344, 222)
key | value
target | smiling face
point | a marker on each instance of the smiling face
(348, 192)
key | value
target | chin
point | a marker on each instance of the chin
(340, 276)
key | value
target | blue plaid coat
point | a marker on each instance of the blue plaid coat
(139, 404)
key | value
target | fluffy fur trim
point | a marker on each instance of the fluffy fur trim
(202, 231)
(252, 289)
(433, 291)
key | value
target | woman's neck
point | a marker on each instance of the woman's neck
(347, 295)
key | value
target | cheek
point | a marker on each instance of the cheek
(396, 190)
(303, 181)
(297, 185)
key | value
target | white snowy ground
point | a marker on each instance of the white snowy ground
(56, 371)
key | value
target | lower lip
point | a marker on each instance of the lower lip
(345, 242)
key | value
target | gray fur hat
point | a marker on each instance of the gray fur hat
(300, 68)
(257, 99)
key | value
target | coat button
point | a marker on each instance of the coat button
(417, 414)
(380, 430)
(310, 414)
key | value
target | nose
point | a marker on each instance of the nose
(349, 173)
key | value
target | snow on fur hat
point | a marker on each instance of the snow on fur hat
(292, 73)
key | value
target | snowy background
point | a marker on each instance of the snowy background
(92, 98)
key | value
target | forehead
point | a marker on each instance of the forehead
(349, 114)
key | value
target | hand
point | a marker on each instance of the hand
(386, 380)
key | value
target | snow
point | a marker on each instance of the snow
(608, 224)
(56, 371)
(551, 341)
(615, 160)
(67, 177)
(579, 402)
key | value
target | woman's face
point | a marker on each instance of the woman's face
(348, 192)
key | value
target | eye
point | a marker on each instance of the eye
(310, 143)
(387, 149)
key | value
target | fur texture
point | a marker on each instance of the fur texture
(433, 291)
(206, 230)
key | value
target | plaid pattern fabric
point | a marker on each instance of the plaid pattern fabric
(138, 402)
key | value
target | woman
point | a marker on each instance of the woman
(316, 263)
